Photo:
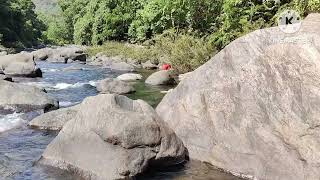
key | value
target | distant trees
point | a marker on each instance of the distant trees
(156, 16)
(95, 21)
(19, 25)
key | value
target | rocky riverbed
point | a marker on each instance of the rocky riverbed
(21, 146)
(252, 111)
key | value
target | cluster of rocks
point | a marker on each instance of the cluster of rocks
(65, 54)
(24, 64)
(114, 63)
(121, 64)
(124, 84)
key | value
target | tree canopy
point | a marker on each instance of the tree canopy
(93, 22)
(19, 24)
(96, 21)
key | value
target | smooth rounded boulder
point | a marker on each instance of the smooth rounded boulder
(114, 137)
(254, 108)
(163, 77)
(23, 98)
(129, 77)
(115, 86)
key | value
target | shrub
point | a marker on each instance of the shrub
(125, 50)
(185, 52)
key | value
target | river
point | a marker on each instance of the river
(21, 147)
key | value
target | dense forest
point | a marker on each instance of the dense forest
(202, 26)
(19, 24)
(93, 22)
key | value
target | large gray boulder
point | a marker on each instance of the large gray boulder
(161, 78)
(113, 137)
(115, 86)
(54, 120)
(21, 64)
(23, 98)
(254, 108)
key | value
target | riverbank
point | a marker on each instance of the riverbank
(184, 52)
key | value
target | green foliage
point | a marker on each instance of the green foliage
(157, 16)
(93, 22)
(184, 51)
(308, 6)
(125, 50)
(96, 21)
(19, 25)
(200, 26)
(55, 32)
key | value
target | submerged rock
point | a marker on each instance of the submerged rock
(129, 77)
(115, 86)
(163, 77)
(23, 98)
(114, 137)
(254, 108)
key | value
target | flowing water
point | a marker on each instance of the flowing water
(21, 147)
